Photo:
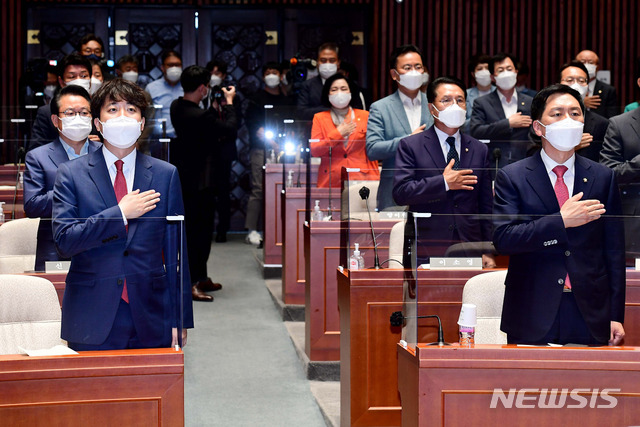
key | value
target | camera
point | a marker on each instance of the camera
(217, 94)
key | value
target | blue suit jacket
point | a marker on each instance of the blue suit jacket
(41, 167)
(418, 182)
(489, 122)
(387, 125)
(542, 251)
(88, 227)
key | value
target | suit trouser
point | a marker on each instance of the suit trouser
(254, 205)
(199, 212)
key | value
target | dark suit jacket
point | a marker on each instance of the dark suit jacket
(41, 167)
(621, 152)
(529, 228)
(489, 122)
(310, 99)
(88, 227)
(43, 131)
(609, 100)
(418, 182)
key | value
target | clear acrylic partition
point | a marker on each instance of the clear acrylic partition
(377, 233)
(88, 262)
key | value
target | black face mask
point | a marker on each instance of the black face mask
(94, 57)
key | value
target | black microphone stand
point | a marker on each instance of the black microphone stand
(364, 194)
(397, 319)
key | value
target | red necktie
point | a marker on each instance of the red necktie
(120, 187)
(562, 194)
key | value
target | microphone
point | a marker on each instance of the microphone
(20, 155)
(397, 319)
(329, 217)
(364, 195)
(497, 155)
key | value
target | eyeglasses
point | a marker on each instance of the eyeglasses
(71, 113)
(88, 51)
(572, 80)
(447, 102)
(409, 67)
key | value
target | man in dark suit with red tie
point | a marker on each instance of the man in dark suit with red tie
(446, 173)
(110, 211)
(566, 278)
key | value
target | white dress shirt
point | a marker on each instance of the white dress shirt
(71, 153)
(413, 109)
(444, 145)
(128, 169)
(569, 175)
(509, 108)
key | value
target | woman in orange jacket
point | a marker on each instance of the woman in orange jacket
(338, 136)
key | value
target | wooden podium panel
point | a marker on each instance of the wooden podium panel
(453, 386)
(322, 256)
(8, 174)
(293, 219)
(368, 356)
(273, 185)
(101, 388)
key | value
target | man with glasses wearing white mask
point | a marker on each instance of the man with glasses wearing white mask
(396, 116)
(74, 69)
(71, 116)
(110, 211)
(601, 98)
(503, 116)
(446, 172)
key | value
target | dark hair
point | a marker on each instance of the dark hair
(431, 89)
(573, 63)
(539, 103)
(327, 85)
(118, 90)
(167, 53)
(354, 75)
(216, 63)
(90, 37)
(479, 58)
(403, 50)
(499, 57)
(193, 77)
(271, 65)
(329, 46)
(68, 90)
(73, 59)
(125, 59)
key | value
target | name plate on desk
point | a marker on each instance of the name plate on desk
(456, 264)
(57, 266)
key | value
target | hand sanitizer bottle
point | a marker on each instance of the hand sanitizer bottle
(356, 262)
(290, 179)
(317, 214)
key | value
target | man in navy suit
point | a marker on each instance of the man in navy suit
(446, 173)
(602, 98)
(71, 116)
(109, 216)
(566, 278)
(396, 116)
(503, 116)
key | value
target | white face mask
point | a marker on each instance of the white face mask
(50, 90)
(271, 80)
(564, 135)
(584, 90)
(340, 100)
(76, 128)
(95, 85)
(173, 74)
(425, 78)
(411, 80)
(215, 80)
(452, 117)
(327, 70)
(122, 131)
(130, 76)
(591, 68)
(506, 80)
(483, 77)
(83, 83)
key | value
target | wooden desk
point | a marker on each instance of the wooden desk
(454, 386)
(293, 218)
(115, 388)
(322, 256)
(368, 382)
(273, 185)
(8, 174)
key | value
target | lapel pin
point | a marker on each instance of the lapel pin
(600, 91)
(466, 149)
(584, 179)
